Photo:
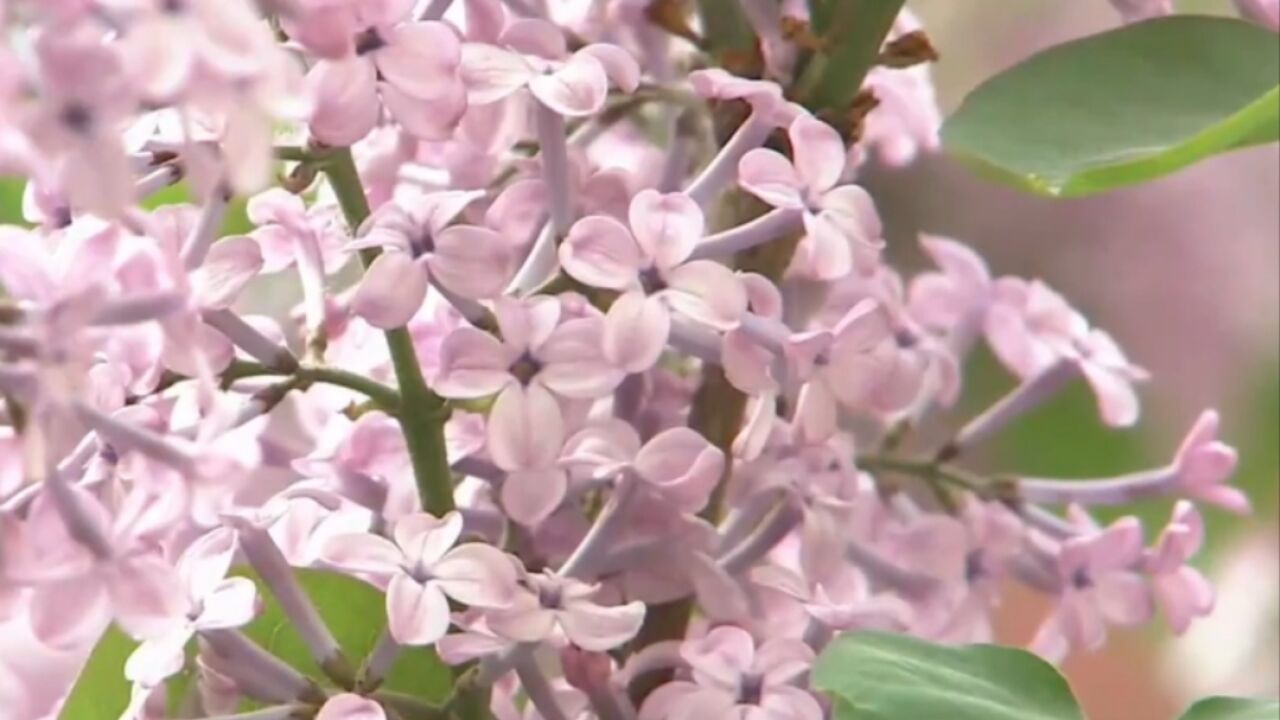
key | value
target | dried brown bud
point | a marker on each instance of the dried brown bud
(907, 50)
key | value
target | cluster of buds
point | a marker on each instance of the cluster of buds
(585, 415)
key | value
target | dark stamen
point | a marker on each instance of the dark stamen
(369, 41)
(77, 117)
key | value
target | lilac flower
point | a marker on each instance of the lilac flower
(732, 677)
(532, 53)
(1181, 590)
(841, 225)
(556, 607)
(1100, 584)
(473, 262)
(422, 569)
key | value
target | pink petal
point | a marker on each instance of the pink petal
(363, 553)
(722, 656)
(1184, 595)
(747, 365)
(707, 292)
(347, 706)
(145, 595)
(785, 702)
(347, 104)
(158, 658)
(420, 59)
(1117, 400)
(526, 324)
(473, 364)
(231, 263)
(424, 539)
(525, 429)
(65, 614)
(491, 73)
(619, 65)
(577, 89)
(682, 463)
(531, 496)
(525, 621)
(534, 36)
(417, 613)
(457, 648)
(1124, 598)
(819, 152)
(232, 604)
(826, 249)
(598, 628)
(601, 252)
(477, 575)
(958, 261)
(636, 331)
(816, 414)
(772, 178)
(426, 119)
(667, 226)
(782, 660)
(573, 361)
(518, 207)
(471, 261)
(391, 291)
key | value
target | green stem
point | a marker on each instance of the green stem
(856, 30)
(386, 398)
(422, 412)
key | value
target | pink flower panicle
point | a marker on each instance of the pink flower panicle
(166, 422)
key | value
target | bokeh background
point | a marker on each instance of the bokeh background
(1185, 273)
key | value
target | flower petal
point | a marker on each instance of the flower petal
(477, 575)
(599, 628)
(667, 226)
(347, 104)
(531, 496)
(636, 331)
(472, 261)
(769, 176)
(231, 263)
(391, 291)
(473, 364)
(819, 152)
(601, 252)
(424, 538)
(417, 613)
(491, 73)
(526, 430)
(420, 59)
(573, 361)
(707, 292)
(577, 89)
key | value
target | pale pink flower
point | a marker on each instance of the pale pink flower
(212, 602)
(1264, 12)
(943, 300)
(677, 465)
(422, 569)
(1031, 327)
(419, 245)
(290, 235)
(764, 96)
(1182, 591)
(122, 575)
(650, 263)
(77, 121)
(558, 607)
(842, 601)
(905, 122)
(842, 228)
(734, 678)
(347, 706)
(1099, 585)
(1138, 10)
(1204, 463)
(532, 53)
(410, 68)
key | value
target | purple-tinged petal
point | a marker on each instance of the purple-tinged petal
(601, 252)
(391, 291)
(471, 261)
(526, 429)
(667, 226)
(417, 613)
(577, 89)
(636, 331)
(769, 176)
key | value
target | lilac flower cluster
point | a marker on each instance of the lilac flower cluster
(584, 416)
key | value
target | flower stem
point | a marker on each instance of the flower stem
(422, 412)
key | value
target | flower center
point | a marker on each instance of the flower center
(652, 281)
(77, 117)
(973, 567)
(422, 244)
(550, 597)
(525, 368)
(369, 41)
(750, 688)
(1080, 580)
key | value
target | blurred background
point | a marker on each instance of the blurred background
(1185, 273)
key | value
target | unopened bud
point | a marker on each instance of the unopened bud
(585, 670)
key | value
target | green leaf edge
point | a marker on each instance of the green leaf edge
(1242, 129)
(1238, 709)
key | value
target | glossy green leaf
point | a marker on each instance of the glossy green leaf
(1123, 107)
(100, 691)
(882, 676)
(1228, 708)
(356, 614)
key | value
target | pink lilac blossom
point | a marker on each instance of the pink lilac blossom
(527, 388)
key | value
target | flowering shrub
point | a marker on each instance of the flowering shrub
(599, 397)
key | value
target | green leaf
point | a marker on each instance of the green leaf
(101, 692)
(1122, 107)
(1228, 708)
(882, 676)
(356, 614)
